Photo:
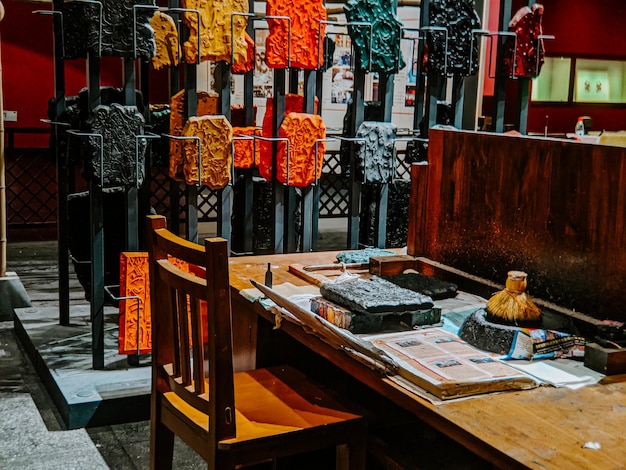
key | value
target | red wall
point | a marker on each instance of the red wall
(582, 29)
(28, 68)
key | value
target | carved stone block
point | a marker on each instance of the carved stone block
(244, 64)
(216, 135)
(125, 36)
(247, 152)
(459, 18)
(207, 105)
(135, 321)
(215, 30)
(527, 58)
(307, 33)
(383, 55)
(166, 39)
(376, 151)
(160, 124)
(293, 104)
(374, 296)
(80, 29)
(305, 159)
(135, 281)
(122, 158)
(117, 29)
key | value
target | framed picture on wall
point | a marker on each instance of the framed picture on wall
(592, 86)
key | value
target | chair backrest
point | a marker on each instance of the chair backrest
(186, 349)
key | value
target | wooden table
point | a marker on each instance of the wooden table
(542, 428)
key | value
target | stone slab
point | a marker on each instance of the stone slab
(12, 295)
(23, 435)
(63, 359)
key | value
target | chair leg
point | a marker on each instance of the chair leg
(357, 452)
(161, 447)
(352, 455)
(223, 461)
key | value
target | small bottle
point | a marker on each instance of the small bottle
(580, 127)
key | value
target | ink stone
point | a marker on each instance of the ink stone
(374, 296)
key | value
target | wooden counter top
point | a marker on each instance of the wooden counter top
(543, 428)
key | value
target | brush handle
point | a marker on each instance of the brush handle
(516, 281)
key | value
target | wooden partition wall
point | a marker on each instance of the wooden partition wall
(490, 203)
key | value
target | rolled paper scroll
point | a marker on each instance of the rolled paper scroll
(305, 30)
(121, 152)
(207, 105)
(381, 41)
(526, 59)
(216, 135)
(247, 151)
(302, 165)
(459, 55)
(166, 38)
(215, 30)
(376, 151)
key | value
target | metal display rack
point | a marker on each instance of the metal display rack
(96, 220)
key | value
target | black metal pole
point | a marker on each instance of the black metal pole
(62, 173)
(97, 231)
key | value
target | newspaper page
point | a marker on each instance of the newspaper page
(447, 366)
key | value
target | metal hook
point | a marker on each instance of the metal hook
(349, 23)
(539, 42)
(360, 141)
(243, 137)
(60, 15)
(502, 33)
(476, 32)
(129, 297)
(317, 142)
(279, 139)
(288, 35)
(197, 13)
(147, 135)
(135, 8)
(431, 29)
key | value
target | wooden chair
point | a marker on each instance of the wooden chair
(230, 419)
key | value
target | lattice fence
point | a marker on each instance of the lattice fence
(31, 187)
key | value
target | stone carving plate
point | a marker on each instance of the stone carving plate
(123, 154)
(216, 135)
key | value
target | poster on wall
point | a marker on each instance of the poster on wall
(592, 86)
(342, 78)
(263, 76)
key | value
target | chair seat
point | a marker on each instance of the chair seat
(270, 402)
